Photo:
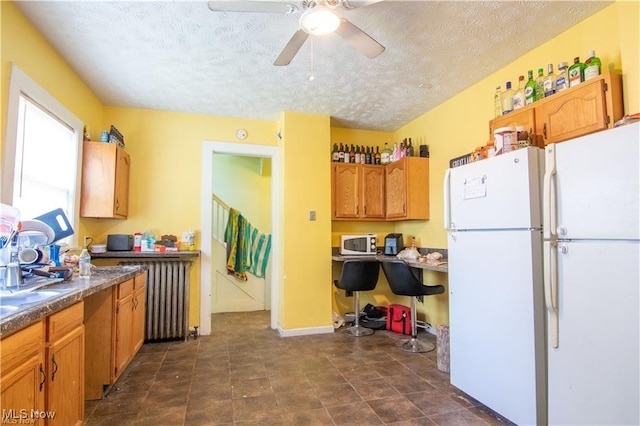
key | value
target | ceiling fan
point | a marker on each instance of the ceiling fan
(318, 17)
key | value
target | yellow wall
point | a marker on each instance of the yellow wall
(244, 183)
(306, 295)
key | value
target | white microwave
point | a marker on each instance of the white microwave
(365, 244)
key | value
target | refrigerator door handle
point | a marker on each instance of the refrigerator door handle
(447, 199)
(549, 194)
(551, 289)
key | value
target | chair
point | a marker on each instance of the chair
(404, 283)
(357, 276)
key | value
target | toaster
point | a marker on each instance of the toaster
(119, 242)
(393, 244)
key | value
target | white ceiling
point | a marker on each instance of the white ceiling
(180, 56)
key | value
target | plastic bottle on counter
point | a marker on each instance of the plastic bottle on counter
(84, 263)
(137, 241)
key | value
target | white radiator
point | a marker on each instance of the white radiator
(167, 309)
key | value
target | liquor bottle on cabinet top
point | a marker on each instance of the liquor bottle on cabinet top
(507, 99)
(540, 85)
(357, 156)
(576, 72)
(530, 89)
(549, 82)
(367, 156)
(410, 149)
(518, 97)
(334, 153)
(341, 153)
(352, 154)
(562, 79)
(377, 157)
(592, 66)
(385, 156)
(497, 102)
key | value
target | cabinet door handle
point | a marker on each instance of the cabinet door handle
(55, 367)
(544, 130)
(44, 377)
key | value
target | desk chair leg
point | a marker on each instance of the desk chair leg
(356, 330)
(413, 344)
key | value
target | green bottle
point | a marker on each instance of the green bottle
(530, 89)
(592, 66)
(540, 85)
(576, 72)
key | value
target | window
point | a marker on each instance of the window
(42, 152)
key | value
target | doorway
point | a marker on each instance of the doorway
(209, 148)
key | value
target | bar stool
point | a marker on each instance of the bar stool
(404, 283)
(357, 276)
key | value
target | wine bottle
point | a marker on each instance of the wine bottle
(377, 156)
(334, 153)
(341, 153)
(540, 85)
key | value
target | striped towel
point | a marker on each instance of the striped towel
(235, 237)
(258, 250)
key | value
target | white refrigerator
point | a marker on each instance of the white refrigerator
(592, 278)
(493, 214)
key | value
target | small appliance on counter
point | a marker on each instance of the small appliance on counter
(365, 244)
(393, 244)
(119, 242)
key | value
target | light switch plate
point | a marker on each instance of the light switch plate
(312, 215)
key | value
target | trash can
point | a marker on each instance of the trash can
(442, 340)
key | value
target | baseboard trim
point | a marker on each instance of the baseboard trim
(304, 331)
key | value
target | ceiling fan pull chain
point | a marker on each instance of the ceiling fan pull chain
(311, 76)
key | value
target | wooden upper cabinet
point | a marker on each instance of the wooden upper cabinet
(407, 189)
(591, 106)
(396, 191)
(373, 194)
(105, 181)
(345, 191)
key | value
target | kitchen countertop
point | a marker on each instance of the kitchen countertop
(147, 254)
(71, 291)
(440, 267)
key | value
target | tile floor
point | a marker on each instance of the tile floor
(245, 374)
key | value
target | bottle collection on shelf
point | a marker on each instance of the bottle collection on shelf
(545, 85)
(365, 155)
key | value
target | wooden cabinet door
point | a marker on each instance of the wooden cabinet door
(121, 198)
(65, 379)
(105, 181)
(346, 192)
(396, 189)
(578, 112)
(23, 389)
(122, 344)
(137, 333)
(522, 117)
(22, 374)
(373, 194)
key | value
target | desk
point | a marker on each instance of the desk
(381, 258)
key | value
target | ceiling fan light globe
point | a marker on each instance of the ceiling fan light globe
(319, 21)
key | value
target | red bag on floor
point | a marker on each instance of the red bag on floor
(399, 319)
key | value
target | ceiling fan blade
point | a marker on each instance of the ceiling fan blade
(359, 39)
(256, 6)
(353, 4)
(292, 47)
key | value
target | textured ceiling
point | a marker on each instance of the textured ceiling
(180, 56)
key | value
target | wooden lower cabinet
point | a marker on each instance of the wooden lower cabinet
(115, 324)
(123, 328)
(65, 366)
(22, 374)
(42, 366)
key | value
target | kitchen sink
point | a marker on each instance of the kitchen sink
(13, 302)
